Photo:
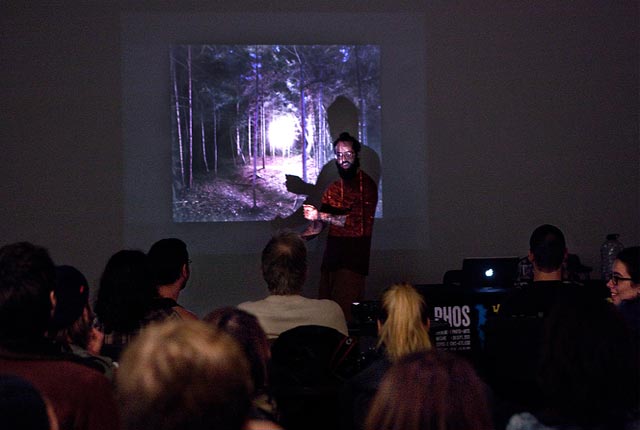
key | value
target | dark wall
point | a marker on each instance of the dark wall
(532, 117)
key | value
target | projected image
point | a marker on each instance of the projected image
(252, 125)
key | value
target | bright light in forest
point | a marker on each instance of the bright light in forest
(282, 132)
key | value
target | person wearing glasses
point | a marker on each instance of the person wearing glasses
(348, 207)
(624, 286)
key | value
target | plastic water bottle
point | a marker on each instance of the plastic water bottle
(608, 252)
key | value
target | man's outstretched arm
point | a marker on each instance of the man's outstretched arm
(312, 214)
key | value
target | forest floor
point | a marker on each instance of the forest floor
(232, 194)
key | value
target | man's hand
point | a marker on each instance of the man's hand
(310, 212)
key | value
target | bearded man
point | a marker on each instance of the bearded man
(348, 207)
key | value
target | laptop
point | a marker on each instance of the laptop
(489, 272)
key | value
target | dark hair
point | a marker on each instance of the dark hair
(27, 277)
(284, 263)
(166, 258)
(430, 390)
(630, 257)
(246, 330)
(346, 137)
(69, 323)
(125, 291)
(548, 247)
(585, 339)
(72, 295)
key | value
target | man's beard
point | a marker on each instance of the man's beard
(351, 171)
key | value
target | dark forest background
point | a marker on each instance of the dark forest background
(229, 156)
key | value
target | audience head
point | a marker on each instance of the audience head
(27, 277)
(72, 319)
(403, 322)
(284, 264)
(625, 281)
(125, 291)
(246, 330)
(430, 390)
(547, 248)
(180, 375)
(168, 261)
(71, 292)
(588, 367)
(22, 407)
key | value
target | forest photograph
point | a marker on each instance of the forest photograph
(246, 116)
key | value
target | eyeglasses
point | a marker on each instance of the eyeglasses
(347, 154)
(615, 279)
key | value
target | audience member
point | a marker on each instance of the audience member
(625, 287)
(284, 268)
(246, 330)
(588, 370)
(22, 407)
(403, 328)
(81, 397)
(73, 320)
(124, 299)
(307, 370)
(432, 390)
(169, 267)
(178, 375)
(547, 253)
(514, 338)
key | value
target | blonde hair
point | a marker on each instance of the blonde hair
(183, 374)
(405, 322)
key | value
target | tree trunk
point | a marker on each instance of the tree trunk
(215, 142)
(178, 124)
(190, 118)
(263, 140)
(249, 135)
(256, 128)
(361, 101)
(204, 146)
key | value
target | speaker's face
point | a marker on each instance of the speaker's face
(345, 155)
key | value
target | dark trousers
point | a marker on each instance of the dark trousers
(343, 287)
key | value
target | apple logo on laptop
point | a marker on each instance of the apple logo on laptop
(488, 273)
